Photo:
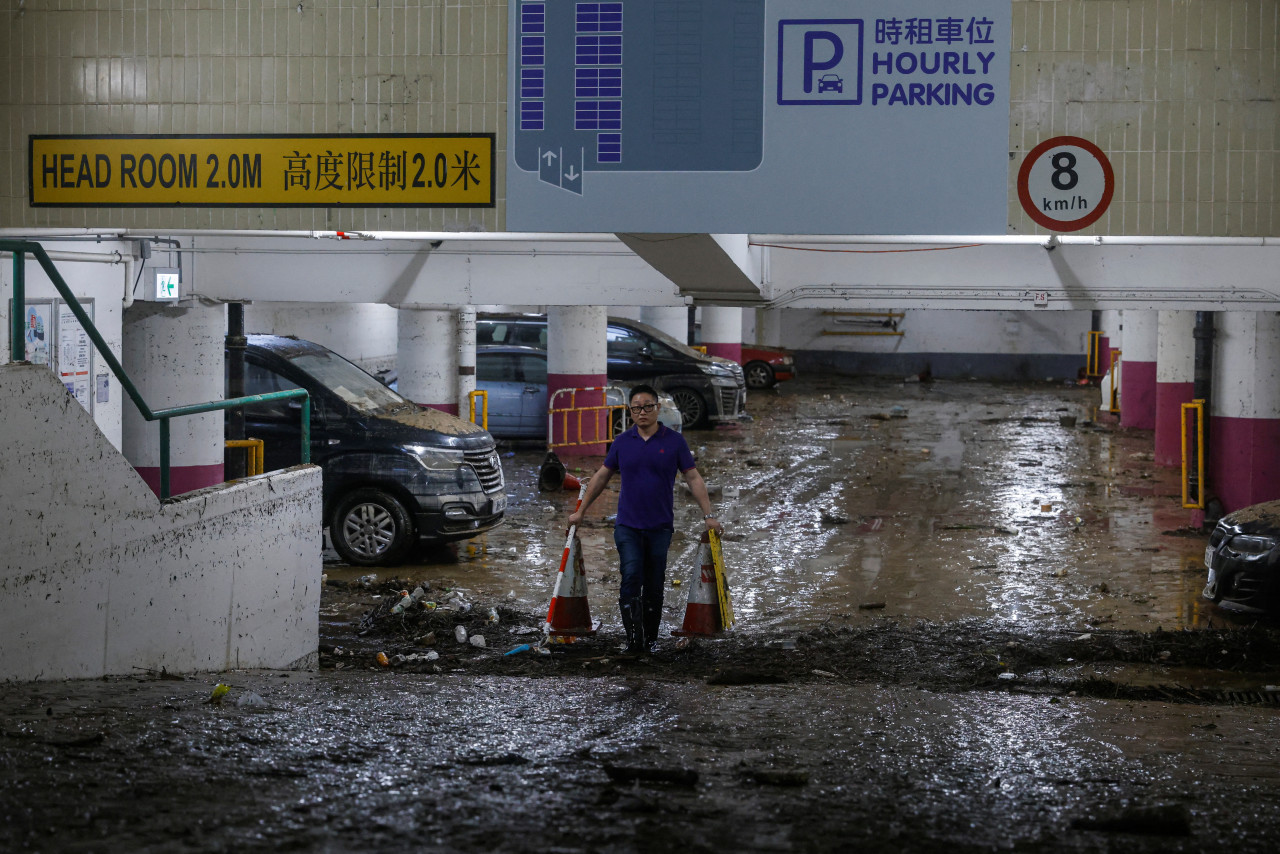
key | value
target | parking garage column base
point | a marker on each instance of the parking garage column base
(1175, 376)
(1138, 380)
(1244, 427)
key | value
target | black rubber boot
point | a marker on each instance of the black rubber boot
(652, 625)
(633, 625)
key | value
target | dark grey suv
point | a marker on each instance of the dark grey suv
(394, 473)
(707, 389)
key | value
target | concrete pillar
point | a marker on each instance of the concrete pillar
(1244, 426)
(722, 331)
(466, 319)
(671, 319)
(1138, 382)
(577, 359)
(1175, 372)
(173, 354)
(1111, 339)
(427, 360)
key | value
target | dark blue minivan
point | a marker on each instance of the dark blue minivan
(394, 473)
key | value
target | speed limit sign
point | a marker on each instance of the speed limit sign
(1066, 183)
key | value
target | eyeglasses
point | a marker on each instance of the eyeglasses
(647, 407)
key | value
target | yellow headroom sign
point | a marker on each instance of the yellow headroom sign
(384, 170)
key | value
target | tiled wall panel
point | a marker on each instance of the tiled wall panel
(248, 66)
(1183, 95)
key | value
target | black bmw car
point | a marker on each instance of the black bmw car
(1243, 558)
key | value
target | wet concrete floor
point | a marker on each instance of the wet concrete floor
(960, 624)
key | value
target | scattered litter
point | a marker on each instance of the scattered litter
(460, 633)
(383, 660)
(493, 615)
(834, 517)
(429, 639)
(1165, 655)
(368, 580)
(477, 641)
(731, 492)
(219, 691)
(783, 643)
(1046, 508)
(675, 582)
(826, 673)
(898, 412)
(1007, 676)
(432, 655)
(250, 700)
(1085, 637)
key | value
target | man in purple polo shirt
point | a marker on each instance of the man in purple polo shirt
(647, 455)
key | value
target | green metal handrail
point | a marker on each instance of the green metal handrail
(20, 249)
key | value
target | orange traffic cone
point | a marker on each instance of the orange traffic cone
(571, 482)
(706, 615)
(569, 616)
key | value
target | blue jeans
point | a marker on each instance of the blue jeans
(642, 558)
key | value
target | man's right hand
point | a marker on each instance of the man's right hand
(575, 517)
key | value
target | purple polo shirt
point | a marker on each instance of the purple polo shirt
(648, 471)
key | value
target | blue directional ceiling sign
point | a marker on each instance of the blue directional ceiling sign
(804, 116)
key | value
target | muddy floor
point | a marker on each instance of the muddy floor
(960, 623)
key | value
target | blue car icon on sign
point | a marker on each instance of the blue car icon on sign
(830, 83)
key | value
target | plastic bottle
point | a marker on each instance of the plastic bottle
(368, 580)
(460, 632)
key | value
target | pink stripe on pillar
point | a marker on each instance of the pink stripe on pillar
(451, 408)
(1244, 460)
(1138, 395)
(578, 428)
(1169, 400)
(183, 478)
(1104, 355)
(732, 352)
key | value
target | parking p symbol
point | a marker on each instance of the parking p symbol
(820, 61)
(813, 66)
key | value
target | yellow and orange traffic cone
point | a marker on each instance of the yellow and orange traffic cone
(708, 612)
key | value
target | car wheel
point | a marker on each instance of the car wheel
(619, 422)
(759, 375)
(693, 409)
(371, 528)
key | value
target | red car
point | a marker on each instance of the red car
(766, 366)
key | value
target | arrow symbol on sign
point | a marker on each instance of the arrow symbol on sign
(572, 174)
(550, 156)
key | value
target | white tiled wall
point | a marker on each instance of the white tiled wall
(1182, 95)
(249, 66)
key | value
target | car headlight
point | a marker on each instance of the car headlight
(436, 459)
(716, 370)
(1250, 544)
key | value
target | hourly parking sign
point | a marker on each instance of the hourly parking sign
(805, 116)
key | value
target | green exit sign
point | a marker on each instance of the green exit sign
(168, 284)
